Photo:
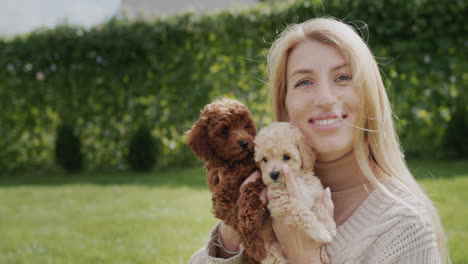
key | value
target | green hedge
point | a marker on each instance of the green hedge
(110, 78)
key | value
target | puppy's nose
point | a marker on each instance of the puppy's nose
(244, 144)
(274, 175)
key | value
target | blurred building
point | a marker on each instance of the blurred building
(152, 8)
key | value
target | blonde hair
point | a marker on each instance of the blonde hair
(383, 146)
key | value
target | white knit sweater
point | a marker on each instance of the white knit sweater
(381, 230)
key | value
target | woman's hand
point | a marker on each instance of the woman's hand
(297, 247)
(230, 238)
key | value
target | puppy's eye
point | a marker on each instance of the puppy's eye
(286, 157)
(225, 131)
(265, 160)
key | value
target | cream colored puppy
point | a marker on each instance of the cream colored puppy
(281, 143)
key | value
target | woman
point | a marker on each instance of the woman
(325, 80)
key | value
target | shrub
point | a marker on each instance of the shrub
(456, 141)
(68, 149)
(167, 69)
(143, 150)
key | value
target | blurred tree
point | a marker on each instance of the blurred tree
(143, 150)
(68, 149)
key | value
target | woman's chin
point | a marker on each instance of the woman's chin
(331, 152)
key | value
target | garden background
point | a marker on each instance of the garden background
(113, 80)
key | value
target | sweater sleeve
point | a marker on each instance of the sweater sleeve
(206, 255)
(410, 240)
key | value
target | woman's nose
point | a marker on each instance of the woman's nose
(324, 97)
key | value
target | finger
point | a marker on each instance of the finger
(253, 177)
(290, 182)
(327, 201)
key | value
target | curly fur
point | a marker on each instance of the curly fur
(223, 138)
(281, 143)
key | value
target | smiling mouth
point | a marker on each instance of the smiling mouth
(327, 121)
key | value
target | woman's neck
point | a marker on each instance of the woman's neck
(350, 188)
(341, 174)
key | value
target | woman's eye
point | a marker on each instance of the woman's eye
(286, 157)
(343, 78)
(303, 83)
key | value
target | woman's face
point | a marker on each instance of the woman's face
(320, 99)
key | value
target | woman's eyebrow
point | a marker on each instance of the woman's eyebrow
(306, 71)
(340, 66)
(302, 71)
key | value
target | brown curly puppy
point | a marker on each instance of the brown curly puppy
(223, 138)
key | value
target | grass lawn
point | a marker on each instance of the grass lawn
(159, 217)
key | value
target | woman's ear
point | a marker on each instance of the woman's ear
(198, 140)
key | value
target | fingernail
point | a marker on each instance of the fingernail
(328, 192)
(285, 168)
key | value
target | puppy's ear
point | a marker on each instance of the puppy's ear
(198, 139)
(307, 153)
(250, 124)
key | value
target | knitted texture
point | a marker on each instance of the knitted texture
(205, 254)
(384, 230)
(381, 230)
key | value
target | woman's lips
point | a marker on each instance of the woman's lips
(327, 121)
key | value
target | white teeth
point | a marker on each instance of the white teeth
(326, 122)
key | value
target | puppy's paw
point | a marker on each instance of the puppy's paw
(330, 226)
(320, 235)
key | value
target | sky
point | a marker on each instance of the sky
(22, 16)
